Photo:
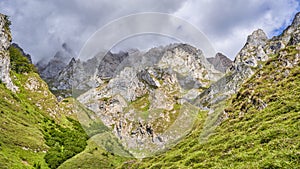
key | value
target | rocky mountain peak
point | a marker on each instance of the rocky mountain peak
(221, 56)
(59, 61)
(290, 36)
(133, 50)
(73, 61)
(253, 51)
(296, 21)
(188, 48)
(108, 65)
(220, 62)
(190, 62)
(258, 37)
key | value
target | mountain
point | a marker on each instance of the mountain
(220, 62)
(152, 97)
(259, 127)
(251, 57)
(247, 118)
(60, 60)
(164, 108)
(36, 130)
(67, 76)
(253, 112)
(28, 109)
(110, 62)
(79, 76)
(256, 51)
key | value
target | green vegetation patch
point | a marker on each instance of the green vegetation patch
(18, 62)
(142, 103)
(64, 142)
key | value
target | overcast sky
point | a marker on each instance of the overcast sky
(40, 27)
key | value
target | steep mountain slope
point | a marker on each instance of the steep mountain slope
(257, 49)
(36, 130)
(227, 146)
(27, 108)
(259, 127)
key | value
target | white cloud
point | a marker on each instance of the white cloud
(228, 23)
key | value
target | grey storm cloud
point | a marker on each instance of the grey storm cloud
(42, 26)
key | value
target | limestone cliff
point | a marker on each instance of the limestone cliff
(5, 40)
(148, 105)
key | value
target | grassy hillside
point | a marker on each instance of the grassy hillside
(27, 117)
(260, 130)
(36, 130)
(94, 156)
(260, 127)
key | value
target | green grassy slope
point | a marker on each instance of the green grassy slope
(100, 140)
(39, 132)
(25, 117)
(260, 128)
(20, 132)
(94, 156)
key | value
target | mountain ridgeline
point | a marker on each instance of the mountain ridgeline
(168, 107)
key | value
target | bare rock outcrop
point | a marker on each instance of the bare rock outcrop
(5, 40)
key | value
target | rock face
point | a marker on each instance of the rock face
(220, 62)
(5, 39)
(290, 36)
(79, 76)
(143, 104)
(246, 60)
(109, 63)
(191, 64)
(65, 75)
(253, 51)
